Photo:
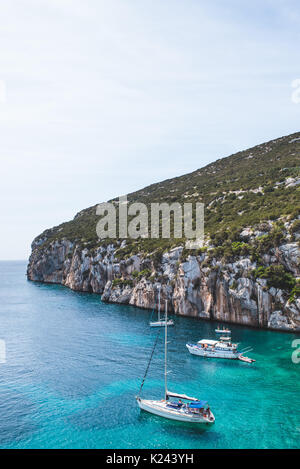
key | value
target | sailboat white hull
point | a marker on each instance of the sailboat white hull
(161, 323)
(161, 409)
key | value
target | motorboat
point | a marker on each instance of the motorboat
(221, 348)
(214, 349)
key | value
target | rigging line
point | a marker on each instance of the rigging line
(152, 314)
(146, 372)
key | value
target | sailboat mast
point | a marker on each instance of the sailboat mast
(158, 302)
(166, 342)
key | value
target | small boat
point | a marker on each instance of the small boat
(246, 359)
(184, 408)
(214, 349)
(224, 330)
(160, 321)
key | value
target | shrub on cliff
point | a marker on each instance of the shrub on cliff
(295, 228)
(116, 282)
(156, 257)
(276, 277)
(295, 293)
(119, 282)
(266, 242)
(240, 248)
(144, 273)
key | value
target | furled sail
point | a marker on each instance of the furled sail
(181, 396)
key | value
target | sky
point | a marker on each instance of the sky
(100, 98)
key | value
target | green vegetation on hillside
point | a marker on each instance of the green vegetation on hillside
(277, 277)
(241, 190)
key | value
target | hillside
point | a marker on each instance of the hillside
(243, 189)
(248, 269)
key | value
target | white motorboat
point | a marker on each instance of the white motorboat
(222, 348)
(160, 321)
(183, 408)
(214, 349)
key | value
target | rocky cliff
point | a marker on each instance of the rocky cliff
(248, 270)
(200, 285)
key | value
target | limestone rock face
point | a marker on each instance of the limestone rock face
(197, 286)
(50, 265)
(289, 256)
(278, 320)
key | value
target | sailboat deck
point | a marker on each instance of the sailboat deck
(164, 409)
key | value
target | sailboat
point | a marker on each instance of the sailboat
(184, 408)
(160, 321)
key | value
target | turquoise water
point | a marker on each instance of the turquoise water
(73, 366)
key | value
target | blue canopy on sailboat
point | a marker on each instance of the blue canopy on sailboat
(198, 404)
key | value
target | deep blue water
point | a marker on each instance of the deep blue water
(73, 366)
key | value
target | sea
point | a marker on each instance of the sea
(71, 367)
